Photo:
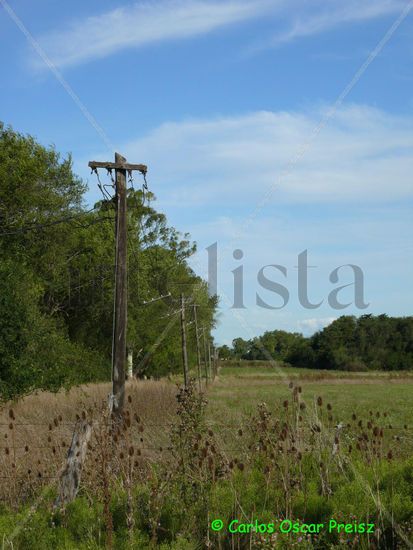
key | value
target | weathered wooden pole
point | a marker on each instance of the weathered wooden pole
(70, 477)
(205, 357)
(183, 335)
(209, 361)
(198, 351)
(121, 292)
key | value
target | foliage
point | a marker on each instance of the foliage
(57, 276)
(349, 343)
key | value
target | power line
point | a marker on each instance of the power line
(67, 219)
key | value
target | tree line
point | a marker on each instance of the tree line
(57, 276)
(349, 343)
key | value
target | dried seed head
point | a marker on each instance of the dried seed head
(302, 406)
(11, 426)
(290, 385)
(329, 407)
(240, 433)
(210, 433)
(285, 404)
(129, 399)
(390, 455)
(319, 401)
(11, 414)
(240, 466)
(353, 416)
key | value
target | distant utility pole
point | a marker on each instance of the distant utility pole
(205, 356)
(209, 360)
(121, 167)
(198, 351)
(183, 332)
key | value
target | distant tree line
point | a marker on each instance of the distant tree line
(57, 276)
(356, 344)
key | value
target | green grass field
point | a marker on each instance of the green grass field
(238, 390)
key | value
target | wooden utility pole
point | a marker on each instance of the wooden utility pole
(198, 351)
(209, 361)
(183, 333)
(121, 167)
(205, 356)
(70, 477)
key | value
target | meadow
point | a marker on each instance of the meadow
(262, 445)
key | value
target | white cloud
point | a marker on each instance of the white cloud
(362, 154)
(309, 326)
(316, 17)
(143, 23)
(209, 175)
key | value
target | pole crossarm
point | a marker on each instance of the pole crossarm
(142, 168)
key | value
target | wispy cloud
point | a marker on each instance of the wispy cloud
(140, 24)
(312, 18)
(364, 154)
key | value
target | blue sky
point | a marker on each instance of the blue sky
(233, 106)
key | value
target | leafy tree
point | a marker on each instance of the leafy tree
(57, 276)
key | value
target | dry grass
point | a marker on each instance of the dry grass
(36, 431)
